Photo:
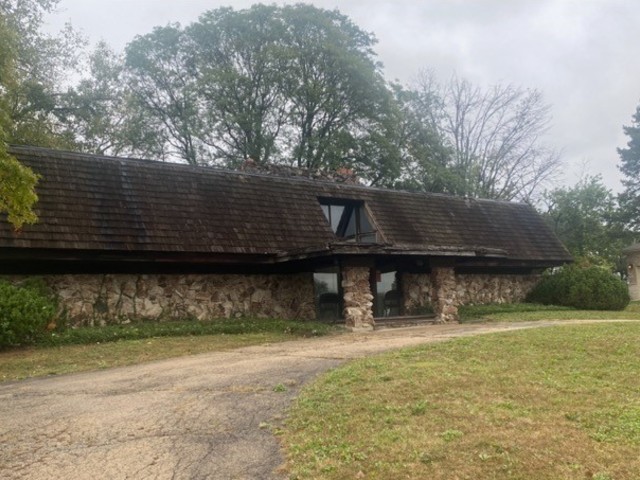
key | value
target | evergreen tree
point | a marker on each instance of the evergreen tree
(629, 165)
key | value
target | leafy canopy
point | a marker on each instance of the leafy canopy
(584, 217)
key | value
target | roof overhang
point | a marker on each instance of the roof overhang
(12, 259)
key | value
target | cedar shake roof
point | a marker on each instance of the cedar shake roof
(97, 203)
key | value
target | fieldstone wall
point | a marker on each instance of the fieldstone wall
(118, 298)
(633, 272)
(358, 300)
(444, 294)
(482, 289)
(470, 289)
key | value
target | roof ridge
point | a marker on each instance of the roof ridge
(214, 169)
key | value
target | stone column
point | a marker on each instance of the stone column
(443, 294)
(358, 300)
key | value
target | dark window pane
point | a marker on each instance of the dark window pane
(325, 210)
(336, 215)
(350, 230)
(365, 225)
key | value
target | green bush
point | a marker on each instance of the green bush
(25, 312)
(590, 288)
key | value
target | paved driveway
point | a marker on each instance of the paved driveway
(198, 417)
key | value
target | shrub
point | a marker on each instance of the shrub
(590, 288)
(25, 312)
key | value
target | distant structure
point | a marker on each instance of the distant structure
(632, 255)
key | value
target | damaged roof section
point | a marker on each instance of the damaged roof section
(97, 203)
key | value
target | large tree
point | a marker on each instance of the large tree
(240, 70)
(495, 135)
(27, 76)
(630, 167)
(584, 216)
(161, 77)
(336, 96)
(296, 85)
(424, 157)
(40, 67)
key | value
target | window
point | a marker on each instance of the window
(328, 294)
(348, 220)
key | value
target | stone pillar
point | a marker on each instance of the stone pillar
(358, 300)
(444, 295)
(633, 271)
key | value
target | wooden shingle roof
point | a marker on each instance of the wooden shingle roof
(97, 203)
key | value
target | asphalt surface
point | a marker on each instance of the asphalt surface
(208, 416)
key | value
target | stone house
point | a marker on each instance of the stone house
(120, 239)
(632, 255)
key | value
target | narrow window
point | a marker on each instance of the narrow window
(328, 294)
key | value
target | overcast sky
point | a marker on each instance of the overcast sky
(583, 55)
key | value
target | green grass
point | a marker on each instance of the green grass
(553, 403)
(92, 348)
(515, 312)
(142, 330)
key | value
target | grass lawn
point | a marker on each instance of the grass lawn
(83, 349)
(553, 403)
(521, 312)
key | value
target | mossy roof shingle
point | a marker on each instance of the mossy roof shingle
(91, 202)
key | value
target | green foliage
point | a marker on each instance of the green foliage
(33, 69)
(630, 167)
(25, 312)
(141, 330)
(591, 288)
(98, 112)
(17, 191)
(584, 217)
(294, 85)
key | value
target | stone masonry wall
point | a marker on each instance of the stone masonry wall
(633, 270)
(358, 300)
(470, 289)
(444, 295)
(118, 298)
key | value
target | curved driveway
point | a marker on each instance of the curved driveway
(200, 417)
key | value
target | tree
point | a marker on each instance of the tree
(41, 62)
(425, 158)
(296, 85)
(17, 190)
(240, 66)
(101, 114)
(336, 96)
(584, 217)
(160, 75)
(630, 167)
(32, 68)
(495, 136)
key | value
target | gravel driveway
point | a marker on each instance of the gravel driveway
(197, 417)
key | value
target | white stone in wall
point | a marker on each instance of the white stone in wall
(470, 289)
(357, 298)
